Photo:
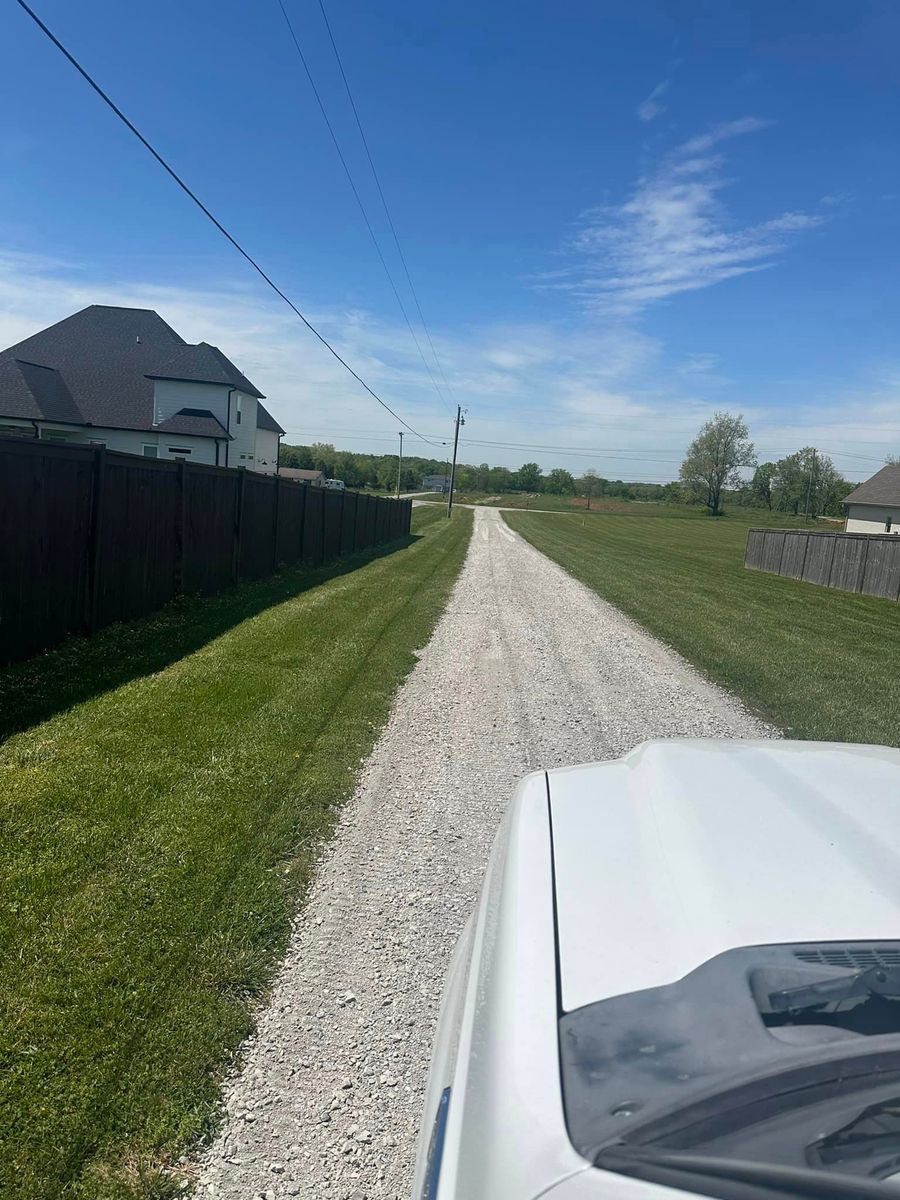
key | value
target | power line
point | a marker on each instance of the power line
(199, 203)
(355, 190)
(387, 211)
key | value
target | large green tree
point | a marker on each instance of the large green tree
(808, 482)
(715, 458)
(529, 478)
(559, 482)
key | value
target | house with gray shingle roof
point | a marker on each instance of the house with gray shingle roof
(874, 507)
(123, 378)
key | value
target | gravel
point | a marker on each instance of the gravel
(526, 669)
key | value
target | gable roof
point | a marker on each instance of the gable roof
(265, 420)
(204, 364)
(882, 488)
(198, 421)
(98, 366)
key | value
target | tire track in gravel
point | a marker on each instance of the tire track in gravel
(526, 669)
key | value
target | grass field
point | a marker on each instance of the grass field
(601, 505)
(159, 830)
(818, 663)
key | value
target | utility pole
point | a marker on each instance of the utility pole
(399, 464)
(460, 420)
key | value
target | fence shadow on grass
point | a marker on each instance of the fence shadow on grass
(80, 668)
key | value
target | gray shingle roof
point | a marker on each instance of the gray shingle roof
(203, 364)
(265, 420)
(97, 367)
(882, 488)
(197, 421)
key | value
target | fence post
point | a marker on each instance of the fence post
(180, 536)
(275, 524)
(238, 522)
(92, 593)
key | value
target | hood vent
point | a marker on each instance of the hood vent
(852, 957)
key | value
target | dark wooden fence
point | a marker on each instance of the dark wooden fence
(852, 562)
(89, 536)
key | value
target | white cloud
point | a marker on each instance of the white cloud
(610, 396)
(673, 234)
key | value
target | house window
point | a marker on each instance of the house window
(178, 451)
(237, 410)
(151, 451)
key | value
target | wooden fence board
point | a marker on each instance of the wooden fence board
(45, 512)
(850, 562)
(819, 553)
(90, 536)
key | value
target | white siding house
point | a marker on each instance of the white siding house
(123, 378)
(874, 507)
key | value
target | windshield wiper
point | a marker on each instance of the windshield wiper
(876, 981)
(734, 1179)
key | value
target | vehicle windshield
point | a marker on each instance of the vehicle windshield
(783, 1057)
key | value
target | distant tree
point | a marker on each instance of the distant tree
(715, 458)
(892, 460)
(296, 456)
(559, 482)
(761, 485)
(482, 478)
(465, 478)
(529, 478)
(590, 484)
(673, 493)
(500, 479)
(808, 482)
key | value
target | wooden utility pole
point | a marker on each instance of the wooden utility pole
(460, 420)
(399, 464)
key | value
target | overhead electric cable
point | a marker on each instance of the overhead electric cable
(387, 211)
(359, 201)
(199, 203)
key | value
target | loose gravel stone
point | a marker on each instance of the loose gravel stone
(526, 669)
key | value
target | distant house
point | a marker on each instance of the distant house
(123, 378)
(436, 483)
(874, 507)
(313, 478)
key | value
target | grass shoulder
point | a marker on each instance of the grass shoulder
(160, 830)
(818, 663)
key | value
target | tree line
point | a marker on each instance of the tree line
(715, 470)
(380, 471)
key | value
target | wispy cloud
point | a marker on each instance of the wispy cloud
(651, 107)
(673, 234)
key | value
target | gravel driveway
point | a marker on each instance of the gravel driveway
(526, 669)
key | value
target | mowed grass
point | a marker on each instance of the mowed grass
(157, 836)
(818, 663)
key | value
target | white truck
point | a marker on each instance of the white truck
(682, 978)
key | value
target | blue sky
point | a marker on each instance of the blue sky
(619, 216)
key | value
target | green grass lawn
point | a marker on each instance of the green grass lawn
(818, 663)
(601, 505)
(158, 832)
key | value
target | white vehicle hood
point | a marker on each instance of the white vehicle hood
(685, 849)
